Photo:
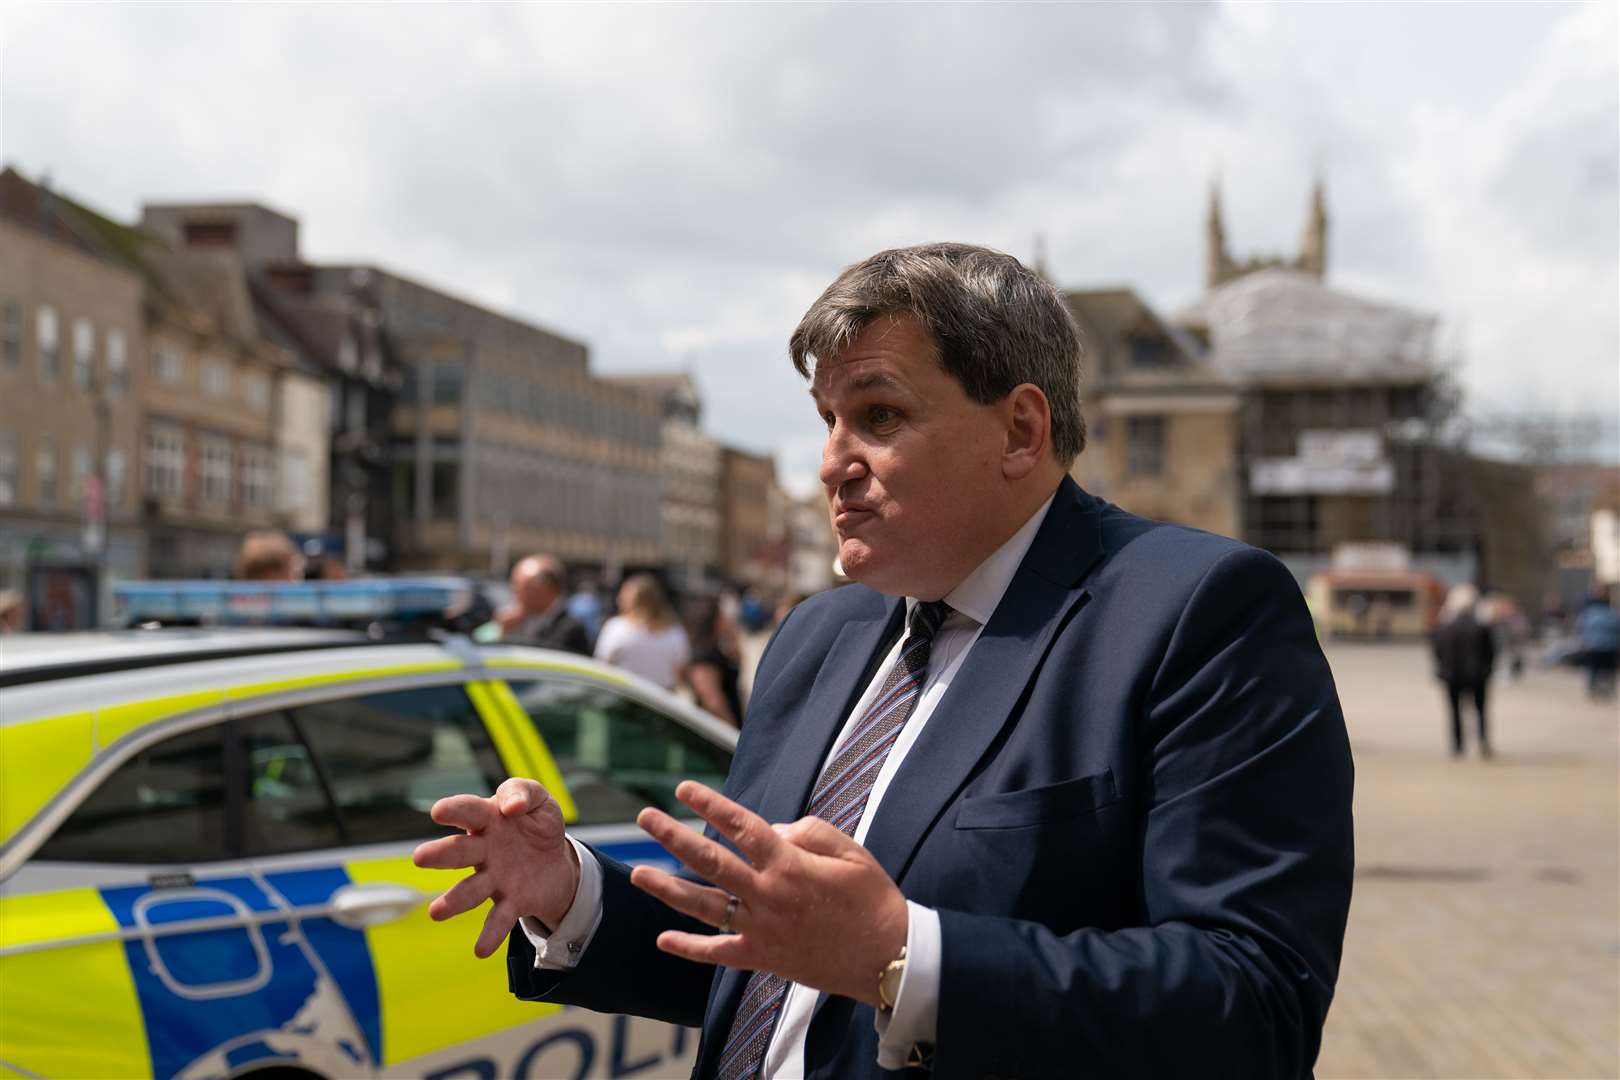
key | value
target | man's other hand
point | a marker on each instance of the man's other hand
(518, 853)
(812, 905)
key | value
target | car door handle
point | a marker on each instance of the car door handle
(360, 906)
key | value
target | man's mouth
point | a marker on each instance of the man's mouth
(848, 515)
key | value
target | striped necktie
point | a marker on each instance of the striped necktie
(840, 798)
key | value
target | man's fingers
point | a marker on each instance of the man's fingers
(519, 795)
(450, 852)
(753, 837)
(818, 837)
(464, 895)
(686, 897)
(728, 950)
(497, 925)
(472, 813)
(708, 859)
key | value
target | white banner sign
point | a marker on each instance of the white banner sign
(1357, 447)
(1299, 476)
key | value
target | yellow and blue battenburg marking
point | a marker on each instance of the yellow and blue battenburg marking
(201, 975)
(235, 990)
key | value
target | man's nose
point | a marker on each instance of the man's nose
(840, 461)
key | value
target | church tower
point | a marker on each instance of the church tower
(1313, 249)
(1217, 263)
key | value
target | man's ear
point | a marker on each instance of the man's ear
(1029, 426)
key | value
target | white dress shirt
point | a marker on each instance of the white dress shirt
(916, 1007)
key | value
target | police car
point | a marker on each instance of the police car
(206, 836)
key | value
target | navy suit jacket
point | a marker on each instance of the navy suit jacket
(1131, 810)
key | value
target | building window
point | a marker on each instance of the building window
(1149, 351)
(84, 353)
(1144, 445)
(8, 468)
(216, 470)
(165, 461)
(166, 364)
(117, 479)
(47, 340)
(447, 384)
(256, 391)
(167, 804)
(79, 477)
(216, 378)
(45, 472)
(446, 505)
(258, 478)
(295, 485)
(117, 364)
(355, 420)
(210, 233)
(11, 336)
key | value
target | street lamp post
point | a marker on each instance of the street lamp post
(95, 497)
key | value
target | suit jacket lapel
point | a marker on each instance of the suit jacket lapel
(823, 713)
(985, 691)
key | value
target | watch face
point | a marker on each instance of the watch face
(889, 983)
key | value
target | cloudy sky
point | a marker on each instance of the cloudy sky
(673, 185)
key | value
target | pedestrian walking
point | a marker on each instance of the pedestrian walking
(1464, 655)
(1598, 626)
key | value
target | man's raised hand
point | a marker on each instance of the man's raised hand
(520, 858)
(812, 905)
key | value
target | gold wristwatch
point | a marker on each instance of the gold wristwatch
(889, 981)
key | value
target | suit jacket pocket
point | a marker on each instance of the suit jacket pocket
(1033, 806)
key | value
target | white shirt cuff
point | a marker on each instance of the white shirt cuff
(568, 942)
(916, 1007)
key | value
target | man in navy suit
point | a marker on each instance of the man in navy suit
(1052, 790)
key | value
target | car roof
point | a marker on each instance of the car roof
(42, 657)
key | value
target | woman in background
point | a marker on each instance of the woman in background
(712, 675)
(644, 638)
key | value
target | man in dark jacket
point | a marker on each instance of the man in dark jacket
(1464, 655)
(538, 614)
(1056, 790)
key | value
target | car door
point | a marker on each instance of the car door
(213, 975)
(372, 764)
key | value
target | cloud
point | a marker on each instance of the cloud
(675, 184)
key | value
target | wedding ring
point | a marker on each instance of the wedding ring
(731, 911)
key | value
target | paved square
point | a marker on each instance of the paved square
(1484, 935)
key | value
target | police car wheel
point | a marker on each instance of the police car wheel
(277, 1072)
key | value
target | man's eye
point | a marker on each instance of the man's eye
(881, 415)
(827, 418)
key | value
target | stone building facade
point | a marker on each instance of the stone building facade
(503, 442)
(153, 401)
(333, 401)
(690, 460)
(210, 424)
(72, 333)
(1162, 425)
(753, 548)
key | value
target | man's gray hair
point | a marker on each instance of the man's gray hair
(994, 324)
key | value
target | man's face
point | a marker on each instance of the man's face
(911, 466)
(530, 589)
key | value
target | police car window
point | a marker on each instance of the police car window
(389, 757)
(166, 804)
(285, 799)
(617, 755)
